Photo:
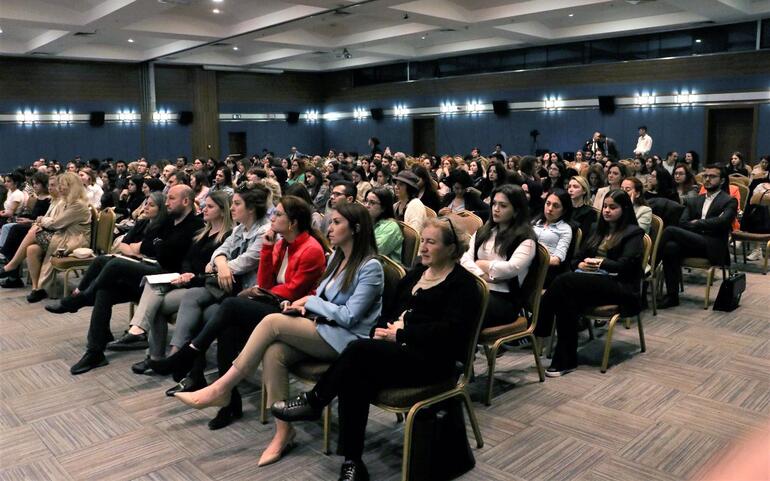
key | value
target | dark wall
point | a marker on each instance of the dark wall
(673, 128)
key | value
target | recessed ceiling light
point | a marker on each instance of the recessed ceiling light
(235, 48)
(130, 40)
(697, 40)
(216, 10)
(424, 37)
(218, 1)
(1, 30)
(571, 15)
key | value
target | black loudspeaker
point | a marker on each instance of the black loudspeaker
(607, 104)
(292, 117)
(500, 107)
(96, 119)
(185, 117)
(377, 113)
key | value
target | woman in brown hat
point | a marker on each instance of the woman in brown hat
(409, 208)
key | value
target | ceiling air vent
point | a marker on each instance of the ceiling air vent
(41, 53)
(175, 2)
(84, 34)
(341, 12)
(221, 44)
(447, 30)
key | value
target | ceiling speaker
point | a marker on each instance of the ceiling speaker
(96, 119)
(292, 117)
(607, 104)
(377, 113)
(500, 107)
(185, 117)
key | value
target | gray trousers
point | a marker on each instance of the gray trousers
(197, 304)
(153, 315)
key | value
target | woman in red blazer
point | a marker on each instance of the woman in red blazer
(289, 269)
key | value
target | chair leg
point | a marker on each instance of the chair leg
(709, 281)
(608, 342)
(65, 284)
(627, 323)
(591, 335)
(642, 344)
(654, 289)
(473, 420)
(399, 418)
(552, 342)
(735, 252)
(263, 404)
(406, 458)
(767, 254)
(327, 427)
(536, 351)
(491, 357)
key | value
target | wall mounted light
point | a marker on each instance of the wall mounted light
(161, 116)
(62, 117)
(27, 117)
(684, 97)
(473, 107)
(645, 100)
(311, 115)
(401, 111)
(553, 103)
(448, 108)
(360, 113)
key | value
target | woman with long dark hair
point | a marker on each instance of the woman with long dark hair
(635, 189)
(199, 182)
(553, 230)
(661, 184)
(387, 232)
(461, 198)
(557, 176)
(685, 182)
(428, 193)
(609, 271)
(296, 172)
(737, 165)
(223, 181)
(501, 252)
(616, 172)
(348, 299)
(319, 192)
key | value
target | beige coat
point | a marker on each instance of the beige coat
(72, 226)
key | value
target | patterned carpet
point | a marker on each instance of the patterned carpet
(661, 415)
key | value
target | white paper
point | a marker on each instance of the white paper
(161, 278)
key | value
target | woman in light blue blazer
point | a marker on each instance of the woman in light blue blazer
(346, 306)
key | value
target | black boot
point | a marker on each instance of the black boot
(353, 471)
(68, 304)
(178, 363)
(229, 413)
(298, 409)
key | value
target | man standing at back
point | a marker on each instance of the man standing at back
(702, 232)
(643, 143)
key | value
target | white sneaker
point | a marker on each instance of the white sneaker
(755, 255)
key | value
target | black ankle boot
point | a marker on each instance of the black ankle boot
(353, 471)
(178, 363)
(298, 409)
(229, 413)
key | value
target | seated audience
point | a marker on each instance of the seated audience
(501, 252)
(737, 165)
(583, 213)
(65, 228)
(93, 191)
(685, 182)
(703, 231)
(553, 230)
(362, 185)
(289, 269)
(616, 172)
(660, 184)
(609, 272)
(223, 181)
(387, 232)
(461, 198)
(14, 199)
(199, 182)
(634, 188)
(345, 309)
(408, 208)
(317, 188)
(428, 194)
(419, 341)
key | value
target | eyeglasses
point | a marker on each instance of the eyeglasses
(710, 176)
(452, 228)
(338, 194)
(371, 202)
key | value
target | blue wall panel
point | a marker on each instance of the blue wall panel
(352, 135)
(275, 136)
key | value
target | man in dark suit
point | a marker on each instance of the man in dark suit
(702, 232)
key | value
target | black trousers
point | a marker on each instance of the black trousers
(500, 309)
(232, 325)
(13, 241)
(364, 368)
(569, 296)
(676, 244)
(116, 282)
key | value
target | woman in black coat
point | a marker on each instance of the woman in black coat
(461, 198)
(609, 271)
(418, 341)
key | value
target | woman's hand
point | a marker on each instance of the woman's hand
(589, 264)
(444, 211)
(554, 261)
(483, 265)
(386, 333)
(269, 237)
(23, 221)
(225, 277)
(299, 303)
(183, 279)
(286, 306)
(35, 229)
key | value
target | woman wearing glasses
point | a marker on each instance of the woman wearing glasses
(501, 251)
(417, 342)
(387, 232)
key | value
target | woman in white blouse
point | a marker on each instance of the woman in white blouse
(93, 191)
(501, 252)
(409, 208)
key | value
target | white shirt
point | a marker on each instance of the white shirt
(669, 168)
(643, 145)
(281, 277)
(707, 204)
(15, 196)
(500, 269)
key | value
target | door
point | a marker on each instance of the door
(424, 135)
(729, 130)
(236, 142)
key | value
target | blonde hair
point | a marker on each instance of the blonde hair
(77, 192)
(222, 200)
(275, 191)
(586, 188)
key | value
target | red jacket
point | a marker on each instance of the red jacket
(305, 266)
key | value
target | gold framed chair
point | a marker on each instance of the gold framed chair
(745, 237)
(703, 263)
(411, 244)
(410, 401)
(310, 371)
(430, 212)
(739, 179)
(651, 274)
(611, 313)
(102, 227)
(466, 220)
(492, 338)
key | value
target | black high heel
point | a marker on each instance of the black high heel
(178, 363)
(229, 413)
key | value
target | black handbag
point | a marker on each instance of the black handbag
(440, 449)
(730, 292)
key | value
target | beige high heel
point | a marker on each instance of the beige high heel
(271, 458)
(189, 399)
